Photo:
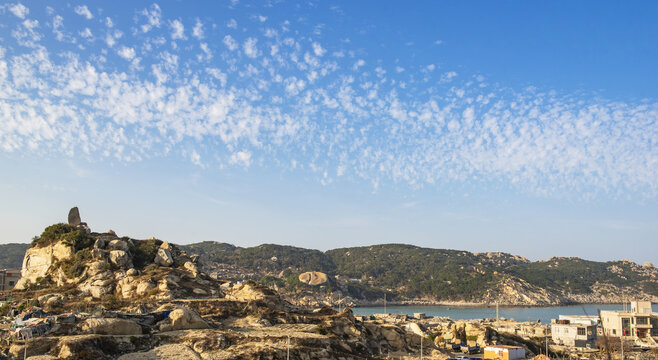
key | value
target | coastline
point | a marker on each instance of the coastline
(460, 304)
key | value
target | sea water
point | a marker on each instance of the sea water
(518, 313)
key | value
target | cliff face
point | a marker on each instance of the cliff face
(38, 261)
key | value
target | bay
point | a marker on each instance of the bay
(518, 313)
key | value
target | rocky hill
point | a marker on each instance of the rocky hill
(362, 275)
(411, 273)
(91, 295)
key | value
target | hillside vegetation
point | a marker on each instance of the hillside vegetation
(412, 272)
(11, 255)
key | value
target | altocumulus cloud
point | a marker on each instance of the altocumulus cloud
(277, 98)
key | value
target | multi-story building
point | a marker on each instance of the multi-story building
(638, 323)
(8, 278)
(574, 331)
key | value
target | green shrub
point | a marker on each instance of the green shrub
(4, 308)
(144, 252)
(79, 239)
(150, 269)
(110, 302)
(51, 234)
(76, 266)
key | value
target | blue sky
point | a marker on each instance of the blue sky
(522, 127)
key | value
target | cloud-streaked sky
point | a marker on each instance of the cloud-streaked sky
(525, 128)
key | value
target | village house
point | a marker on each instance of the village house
(8, 278)
(575, 331)
(504, 352)
(638, 323)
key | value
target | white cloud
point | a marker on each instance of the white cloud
(86, 33)
(206, 52)
(358, 64)
(447, 77)
(197, 31)
(232, 24)
(230, 43)
(112, 36)
(241, 158)
(19, 10)
(196, 158)
(153, 17)
(127, 53)
(356, 126)
(262, 18)
(83, 10)
(177, 30)
(318, 50)
(250, 48)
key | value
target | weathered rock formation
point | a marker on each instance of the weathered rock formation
(313, 278)
(150, 300)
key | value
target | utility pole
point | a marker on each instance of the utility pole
(497, 317)
(621, 338)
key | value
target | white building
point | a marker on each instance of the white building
(574, 330)
(638, 323)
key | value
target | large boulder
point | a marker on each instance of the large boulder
(74, 217)
(120, 258)
(250, 291)
(37, 262)
(118, 245)
(164, 352)
(164, 258)
(313, 278)
(182, 319)
(189, 266)
(111, 326)
(144, 287)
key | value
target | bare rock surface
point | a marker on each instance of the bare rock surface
(111, 327)
(313, 278)
(74, 217)
(164, 352)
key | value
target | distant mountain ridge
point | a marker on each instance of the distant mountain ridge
(11, 255)
(412, 273)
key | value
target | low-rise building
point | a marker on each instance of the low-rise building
(504, 352)
(574, 331)
(638, 323)
(8, 278)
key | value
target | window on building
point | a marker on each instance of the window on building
(581, 331)
(614, 332)
(643, 321)
(11, 283)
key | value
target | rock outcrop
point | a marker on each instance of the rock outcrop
(74, 217)
(313, 278)
(38, 262)
(148, 299)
